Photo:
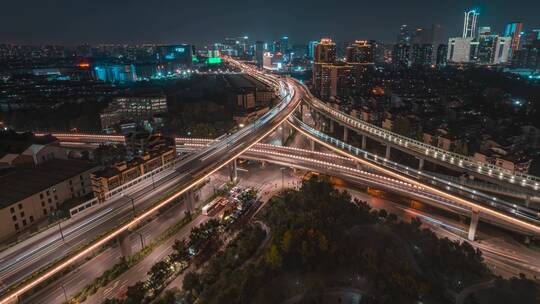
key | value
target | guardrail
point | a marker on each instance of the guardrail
(452, 158)
(120, 189)
(460, 190)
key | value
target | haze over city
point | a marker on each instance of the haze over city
(167, 21)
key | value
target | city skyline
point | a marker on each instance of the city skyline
(96, 23)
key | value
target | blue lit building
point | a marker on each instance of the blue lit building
(115, 73)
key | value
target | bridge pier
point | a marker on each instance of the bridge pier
(331, 126)
(475, 215)
(191, 200)
(527, 200)
(420, 164)
(387, 154)
(125, 244)
(364, 142)
(345, 133)
(233, 172)
(263, 164)
(312, 144)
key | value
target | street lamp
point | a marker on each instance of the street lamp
(65, 294)
(61, 232)
(132, 202)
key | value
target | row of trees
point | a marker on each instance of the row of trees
(319, 229)
(203, 239)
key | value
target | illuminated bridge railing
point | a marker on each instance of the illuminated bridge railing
(477, 196)
(451, 158)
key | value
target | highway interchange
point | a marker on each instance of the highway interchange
(21, 260)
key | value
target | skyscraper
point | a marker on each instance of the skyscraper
(360, 52)
(460, 49)
(442, 50)
(469, 24)
(311, 49)
(285, 47)
(514, 30)
(325, 53)
(501, 50)
(259, 53)
(404, 36)
(422, 54)
(401, 55)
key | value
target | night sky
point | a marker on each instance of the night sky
(73, 22)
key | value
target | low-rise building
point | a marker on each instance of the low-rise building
(152, 156)
(29, 194)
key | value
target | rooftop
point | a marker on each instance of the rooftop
(21, 182)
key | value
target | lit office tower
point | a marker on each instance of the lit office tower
(311, 49)
(442, 50)
(335, 81)
(469, 24)
(285, 47)
(401, 56)
(325, 53)
(514, 30)
(259, 53)
(404, 36)
(422, 54)
(360, 57)
(360, 52)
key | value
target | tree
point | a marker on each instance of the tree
(158, 275)
(181, 251)
(192, 282)
(273, 257)
(136, 293)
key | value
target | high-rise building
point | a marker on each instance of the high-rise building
(311, 49)
(259, 53)
(422, 54)
(442, 50)
(460, 49)
(514, 30)
(404, 36)
(528, 57)
(285, 46)
(401, 56)
(469, 24)
(486, 44)
(325, 53)
(531, 36)
(437, 35)
(501, 50)
(336, 81)
(360, 52)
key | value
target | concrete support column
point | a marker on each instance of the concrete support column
(358, 166)
(312, 144)
(233, 173)
(190, 200)
(527, 200)
(420, 164)
(283, 134)
(474, 224)
(387, 154)
(263, 164)
(331, 126)
(364, 142)
(125, 244)
(345, 134)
